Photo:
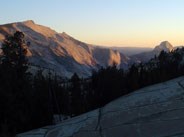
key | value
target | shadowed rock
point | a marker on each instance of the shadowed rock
(154, 111)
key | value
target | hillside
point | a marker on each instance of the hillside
(59, 51)
(154, 111)
(66, 55)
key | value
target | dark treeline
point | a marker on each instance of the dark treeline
(29, 101)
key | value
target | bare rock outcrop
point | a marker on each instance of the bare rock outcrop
(154, 111)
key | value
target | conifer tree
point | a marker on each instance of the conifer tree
(14, 51)
(76, 95)
(15, 82)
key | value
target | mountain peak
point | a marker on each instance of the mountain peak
(64, 34)
(29, 22)
(165, 45)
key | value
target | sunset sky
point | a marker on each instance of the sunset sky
(104, 22)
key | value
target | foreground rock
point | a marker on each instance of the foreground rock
(154, 111)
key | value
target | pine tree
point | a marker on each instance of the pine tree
(76, 95)
(14, 51)
(15, 82)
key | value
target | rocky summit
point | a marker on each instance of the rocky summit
(154, 111)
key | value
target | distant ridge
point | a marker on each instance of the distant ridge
(145, 56)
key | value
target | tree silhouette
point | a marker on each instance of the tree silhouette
(14, 51)
(76, 95)
(15, 81)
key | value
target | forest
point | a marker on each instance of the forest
(29, 101)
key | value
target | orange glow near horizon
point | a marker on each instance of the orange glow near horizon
(144, 41)
(105, 22)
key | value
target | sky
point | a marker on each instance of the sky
(134, 23)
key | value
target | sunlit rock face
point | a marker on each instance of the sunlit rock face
(106, 57)
(59, 51)
(165, 45)
(154, 111)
